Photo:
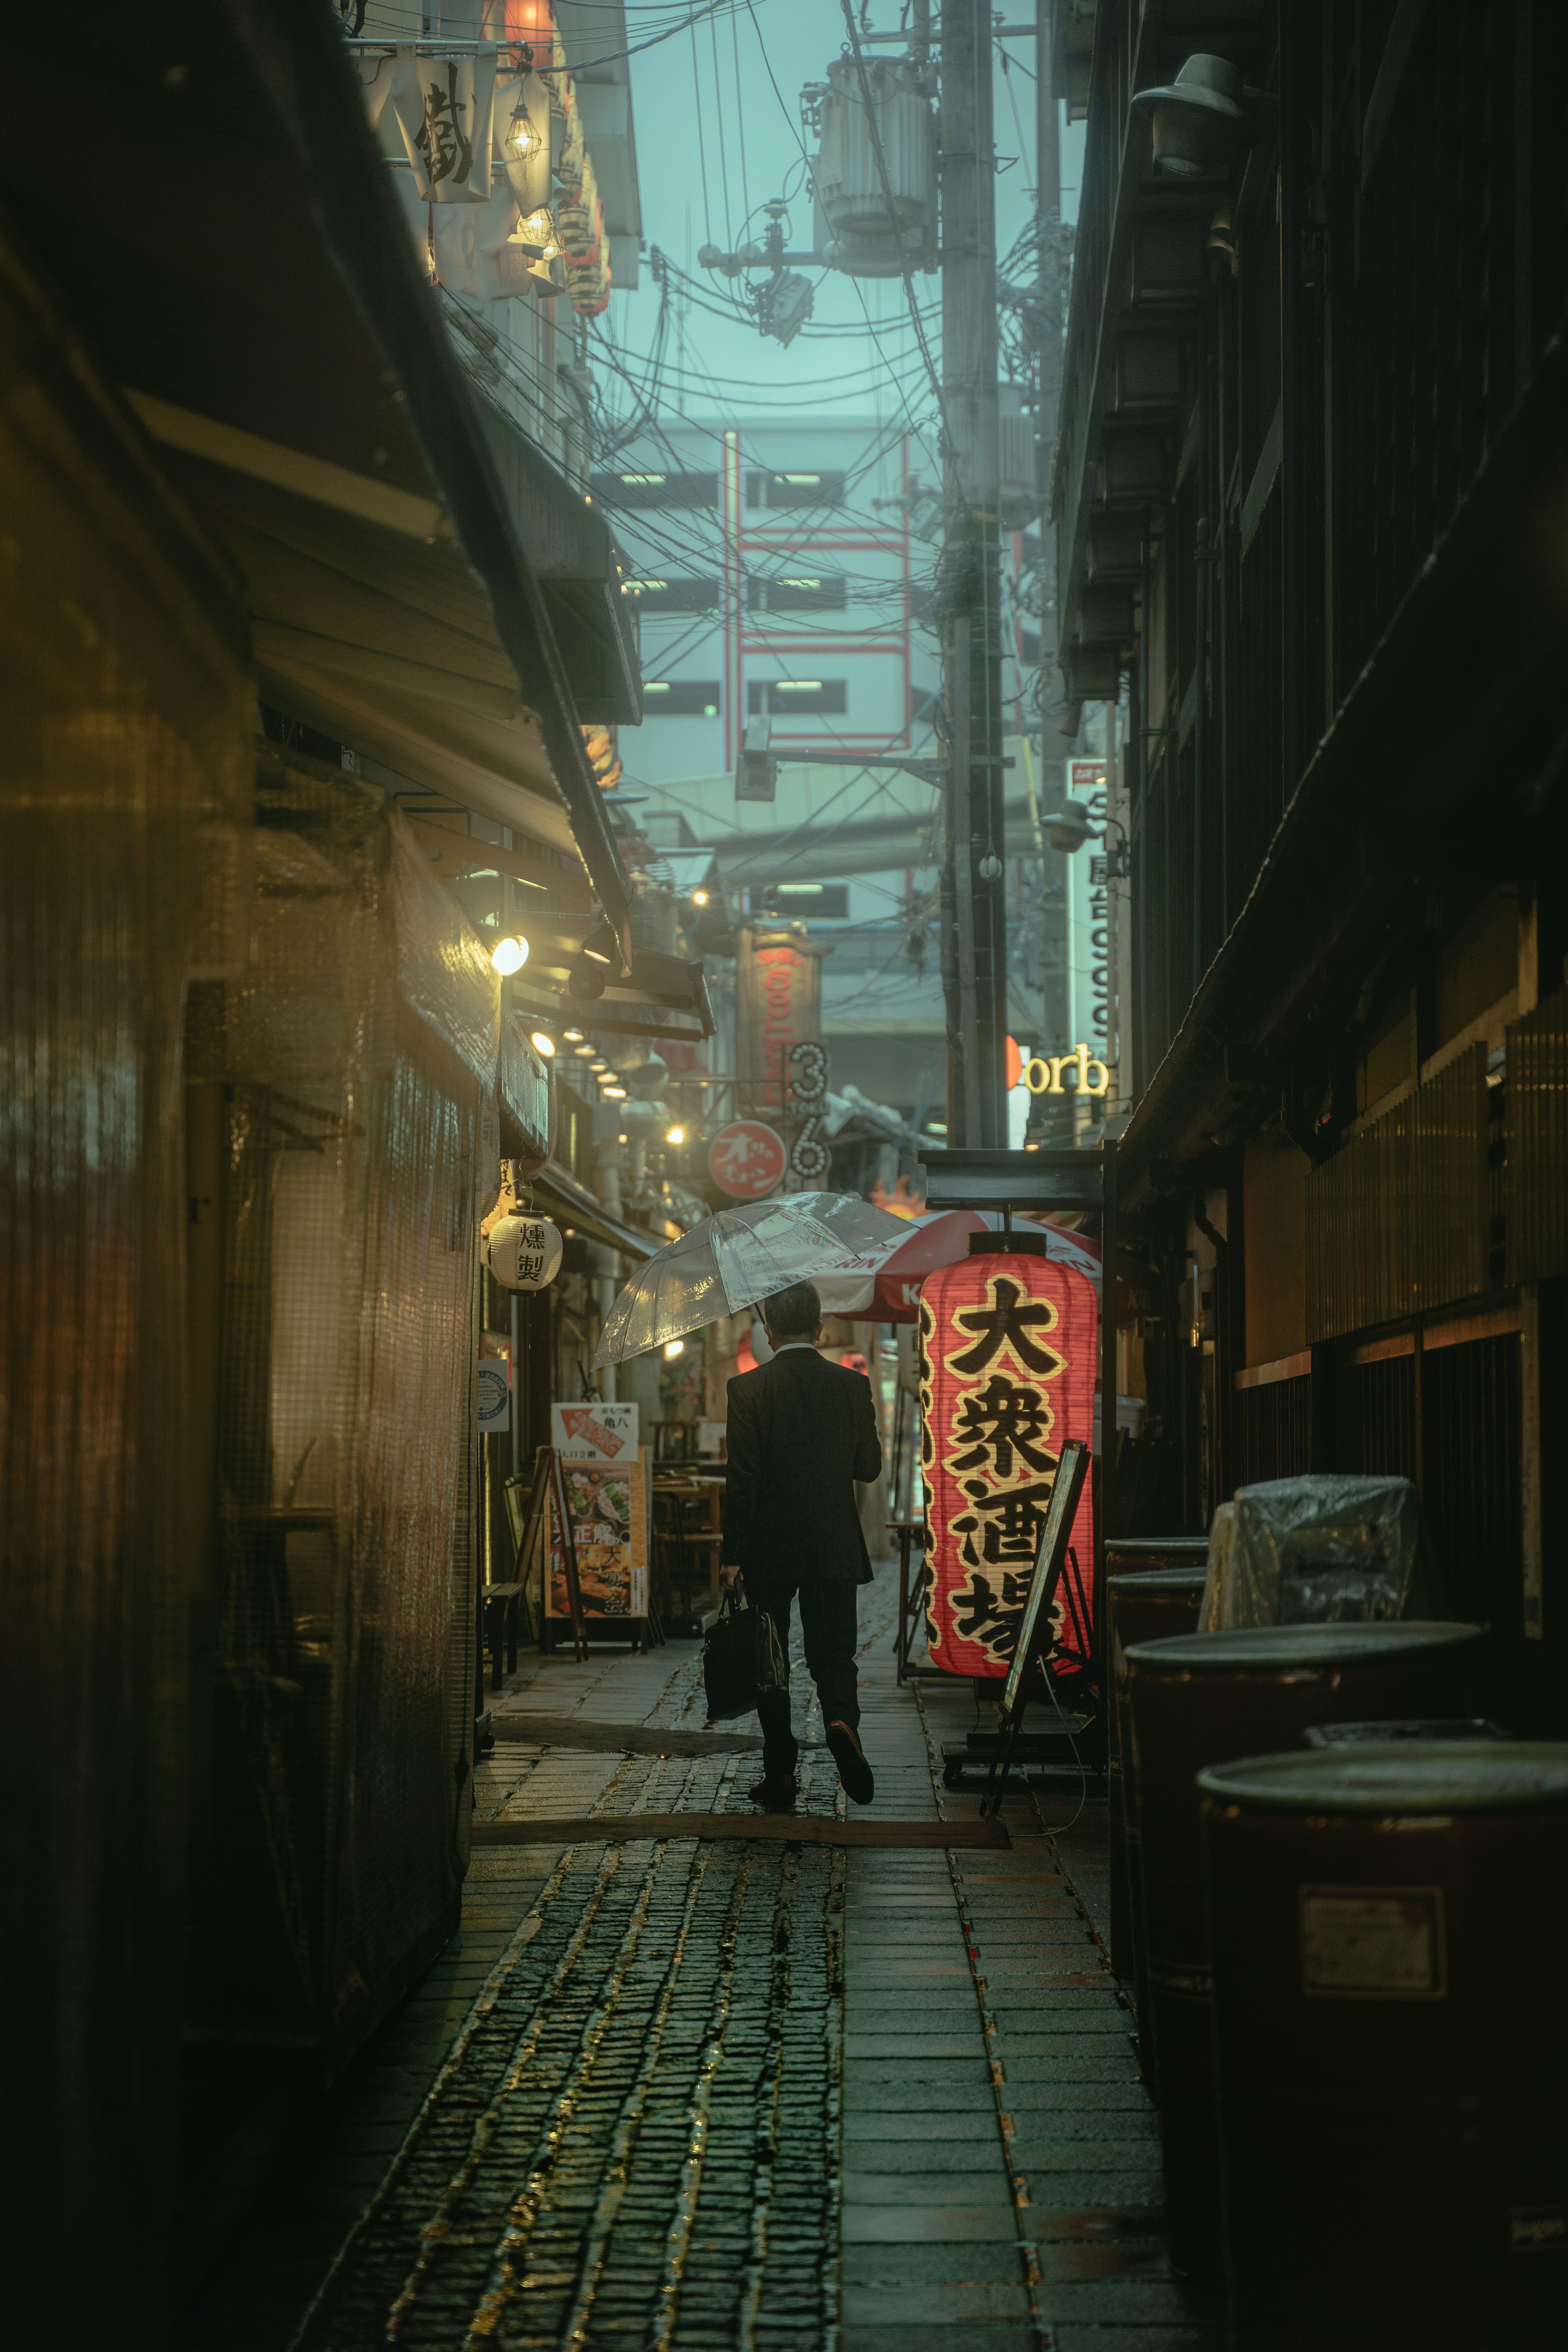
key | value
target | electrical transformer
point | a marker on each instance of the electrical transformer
(857, 230)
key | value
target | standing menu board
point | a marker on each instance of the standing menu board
(606, 1478)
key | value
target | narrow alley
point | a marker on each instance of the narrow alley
(702, 2092)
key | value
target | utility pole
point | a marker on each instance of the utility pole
(974, 941)
(1049, 279)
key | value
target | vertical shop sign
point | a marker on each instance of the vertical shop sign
(1008, 1362)
(778, 1007)
(1088, 917)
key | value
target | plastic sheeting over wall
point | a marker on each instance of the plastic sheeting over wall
(352, 1057)
(124, 762)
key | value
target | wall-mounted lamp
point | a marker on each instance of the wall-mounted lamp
(1068, 827)
(1198, 121)
(543, 1043)
(510, 954)
(616, 1094)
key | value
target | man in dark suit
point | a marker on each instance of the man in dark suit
(801, 1431)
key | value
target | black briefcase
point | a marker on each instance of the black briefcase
(741, 1658)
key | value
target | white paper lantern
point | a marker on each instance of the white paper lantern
(524, 1252)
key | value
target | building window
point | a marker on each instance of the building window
(791, 698)
(680, 698)
(639, 489)
(814, 902)
(659, 593)
(795, 489)
(798, 591)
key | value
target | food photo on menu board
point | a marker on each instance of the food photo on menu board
(606, 1478)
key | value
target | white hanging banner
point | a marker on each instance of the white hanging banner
(444, 108)
(466, 236)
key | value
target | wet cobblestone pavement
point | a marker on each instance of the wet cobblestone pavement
(673, 2093)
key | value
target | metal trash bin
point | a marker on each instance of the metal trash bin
(1425, 1728)
(1202, 1699)
(1392, 2044)
(1150, 1605)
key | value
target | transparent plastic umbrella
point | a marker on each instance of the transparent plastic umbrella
(740, 1256)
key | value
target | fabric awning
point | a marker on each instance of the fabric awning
(257, 294)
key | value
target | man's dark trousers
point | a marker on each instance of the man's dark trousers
(828, 1625)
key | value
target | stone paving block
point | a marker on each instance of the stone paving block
(927, 2184)
(1132, 2340)
(886, 2305)
(955, 2266)
(941, 2130)
(916, 2048)
(996, 2337)
(899, 2096)
(928, 2226)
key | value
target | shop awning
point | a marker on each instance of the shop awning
(569, 1204)
(254, 287)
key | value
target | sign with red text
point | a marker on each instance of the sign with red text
(746, 1158)
(778, 1006)
(1008, 1360)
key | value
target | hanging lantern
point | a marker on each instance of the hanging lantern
(1008, 1360)
(537, 232)
(524, 1252)
(522, 137)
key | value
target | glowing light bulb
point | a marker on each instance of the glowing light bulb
(676, 1135)
(539, 231)
(573, 1036)
(522, 140)
(700, 897)
(510, 954)
(543, 1043)
(673, 1348)
(616, 1094)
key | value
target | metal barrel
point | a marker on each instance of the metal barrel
(1392, 2045)
(1202, 1699)
(1125, 1555)
(1422, 1728)
(1146, 1606)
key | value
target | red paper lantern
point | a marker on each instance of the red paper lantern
(1008, 1360)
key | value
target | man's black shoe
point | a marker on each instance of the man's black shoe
(776, 1795)
(853, 1770)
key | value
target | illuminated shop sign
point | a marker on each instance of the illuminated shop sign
(1008, 1360)
(1043, 1073)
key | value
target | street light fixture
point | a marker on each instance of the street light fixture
(1198, 120)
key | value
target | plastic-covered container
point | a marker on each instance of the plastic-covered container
(1313, 1550)
(1202, 1699)
(1392, 2044)
(1149, 1605)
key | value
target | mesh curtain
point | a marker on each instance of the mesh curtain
(124, 771)
(353, 1056)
